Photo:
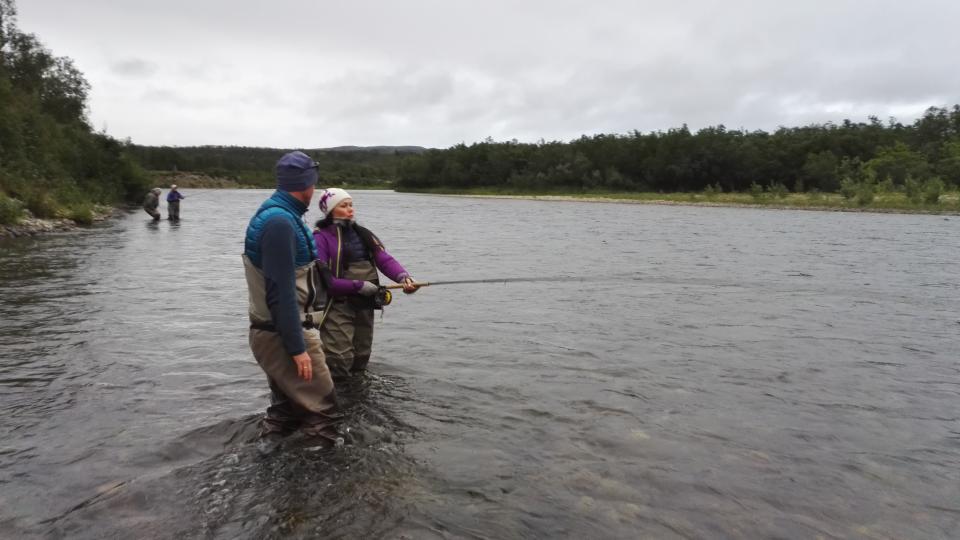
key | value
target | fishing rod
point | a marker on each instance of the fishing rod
(385, 296)
(194, 194)
(495, 280)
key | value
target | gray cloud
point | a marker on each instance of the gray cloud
(437, 73)
(394, 92)
(133, 67)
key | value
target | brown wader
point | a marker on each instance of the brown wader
(347, 330)
(150, 204)
(295, 403)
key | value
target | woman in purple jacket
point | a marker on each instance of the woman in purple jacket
(349, 257)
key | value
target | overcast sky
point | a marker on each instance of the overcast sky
(439, 72)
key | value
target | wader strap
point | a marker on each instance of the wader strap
(271, 328)
(311, 319)
(336, 273)
(263, 326)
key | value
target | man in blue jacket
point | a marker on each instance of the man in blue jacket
(173, 203)
(286, 302)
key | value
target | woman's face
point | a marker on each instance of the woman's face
(344, 210)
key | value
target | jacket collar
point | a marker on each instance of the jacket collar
(289, 202)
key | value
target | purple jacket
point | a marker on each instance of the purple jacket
(327, 249)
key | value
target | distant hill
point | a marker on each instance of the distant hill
(377, 149)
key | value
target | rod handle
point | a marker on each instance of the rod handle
(400, 285)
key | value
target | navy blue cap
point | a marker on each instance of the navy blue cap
(296, 171)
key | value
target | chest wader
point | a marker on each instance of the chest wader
(173, 210)
(347, 331)
(295, 403)
(150, 205)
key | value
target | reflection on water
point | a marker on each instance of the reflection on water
(724, 373)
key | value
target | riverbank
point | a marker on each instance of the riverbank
(949, 203)
(32, 226)
(189, 180)
(192, 180)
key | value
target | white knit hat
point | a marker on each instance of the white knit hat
(331, 197)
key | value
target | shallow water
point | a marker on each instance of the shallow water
(685, 373)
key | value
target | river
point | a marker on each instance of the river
(682, 372)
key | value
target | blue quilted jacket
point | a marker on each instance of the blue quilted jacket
(280, 203)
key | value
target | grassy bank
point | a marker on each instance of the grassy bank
(948, 202)
(80, 210)
(249, 180)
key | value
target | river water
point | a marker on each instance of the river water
(684, 373)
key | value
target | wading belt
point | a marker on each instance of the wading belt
(312, 319)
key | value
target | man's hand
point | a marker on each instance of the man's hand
(304, 366)
(409, 286)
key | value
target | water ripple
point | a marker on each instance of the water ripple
(686, 373)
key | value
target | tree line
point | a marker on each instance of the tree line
(827, 158)
(849, 158)
(53, 164)
(51, 161)
(252, 166)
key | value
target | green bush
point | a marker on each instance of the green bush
(932, 189)
(778, 190)
(798, 185)
(865, 193)
(911, 188)
(849, 187)
(42, 205)
(886, 186)
(756, 191)
(10, 210)
(82, 214)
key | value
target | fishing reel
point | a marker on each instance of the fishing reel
(382, 298)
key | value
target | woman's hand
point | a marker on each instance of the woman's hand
(409, 286)
(368, 288)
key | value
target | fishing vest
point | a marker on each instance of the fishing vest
(283, 204)
(151, 202)
(332, 235)
(311, 294)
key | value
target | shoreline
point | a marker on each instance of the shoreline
(31, 226)
(709, 204)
